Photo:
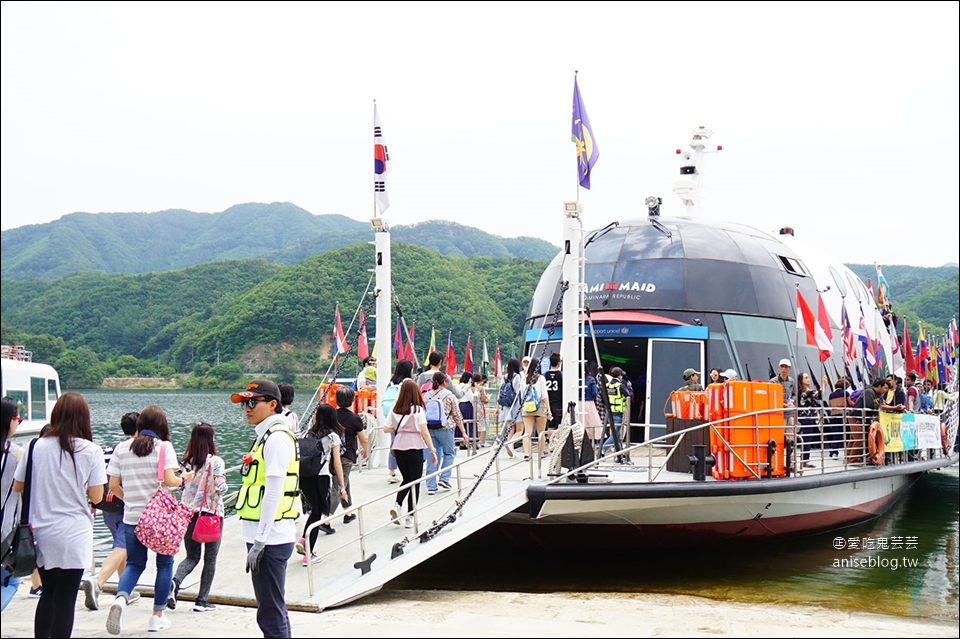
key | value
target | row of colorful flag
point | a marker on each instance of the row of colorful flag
(405, 350)
(930, 361)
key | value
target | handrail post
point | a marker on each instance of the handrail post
(497, 474)
(363, 541)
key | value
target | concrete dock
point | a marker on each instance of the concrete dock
(426, 613)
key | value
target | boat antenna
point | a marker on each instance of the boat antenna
(688, 187)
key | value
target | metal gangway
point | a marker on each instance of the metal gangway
(363, 555)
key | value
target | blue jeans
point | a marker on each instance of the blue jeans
(137, 563)
(617, 419)
(117, 528)
(443, 442)
(9, 587)
(268, 586)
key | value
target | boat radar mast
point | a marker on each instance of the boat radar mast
(688, 186)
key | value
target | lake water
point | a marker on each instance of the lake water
(805, 571)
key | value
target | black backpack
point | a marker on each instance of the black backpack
(312, 454)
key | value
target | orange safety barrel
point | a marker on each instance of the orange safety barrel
(327, 393)
(730, 404)
(688, 404)
(365, 399)
(715, 404)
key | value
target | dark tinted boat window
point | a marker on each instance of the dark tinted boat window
(757, 339)
(708, 286)
(756, 251)
(706, 242)
(645, 242)
(606, 248)
(664, 275)
(773, 296)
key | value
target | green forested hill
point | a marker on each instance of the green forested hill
(172, 240)
(931, 294)
(226, 317)
(128, 314)
(225, 311)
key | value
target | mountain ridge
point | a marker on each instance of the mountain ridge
(173, 239)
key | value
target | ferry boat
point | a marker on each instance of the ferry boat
(657, 295)
(33, 385)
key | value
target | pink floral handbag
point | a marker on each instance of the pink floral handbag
(164, 521)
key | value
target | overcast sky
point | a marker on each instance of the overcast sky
(840, 120)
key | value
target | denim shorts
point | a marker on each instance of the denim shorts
(117, 528)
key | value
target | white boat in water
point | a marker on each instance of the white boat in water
(667, 293)
(33, 385)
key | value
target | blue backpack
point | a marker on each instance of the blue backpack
(507, 394)
(436, 416)
(390, 394)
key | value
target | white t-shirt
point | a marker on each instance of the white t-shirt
(138, 475)
(329, 441)
(293, 421)
(277, 453)
(61, 520)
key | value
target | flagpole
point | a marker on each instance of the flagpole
(796, 332)
(375, 213)
(575, 72)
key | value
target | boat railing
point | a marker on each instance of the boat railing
(813, 440)
(450, 500)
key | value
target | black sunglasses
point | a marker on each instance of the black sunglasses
(253, 401)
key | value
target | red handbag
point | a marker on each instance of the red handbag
(207, 528)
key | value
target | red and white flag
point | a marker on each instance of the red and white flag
(814, 332)
(339, 339)
(408, 352)
(451, 356)
(363, 347)
(468, 357)
(824, 321)
(496, 362)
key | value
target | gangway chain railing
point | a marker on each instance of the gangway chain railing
(366, 559)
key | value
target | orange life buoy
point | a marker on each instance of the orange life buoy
(875, 444)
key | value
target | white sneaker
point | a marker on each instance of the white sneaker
(393, 479)
(395, 515)
(115, 616)
(408, 522)
(91, 593)
(158, 624)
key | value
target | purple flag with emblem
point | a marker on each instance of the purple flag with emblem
(587, 149)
